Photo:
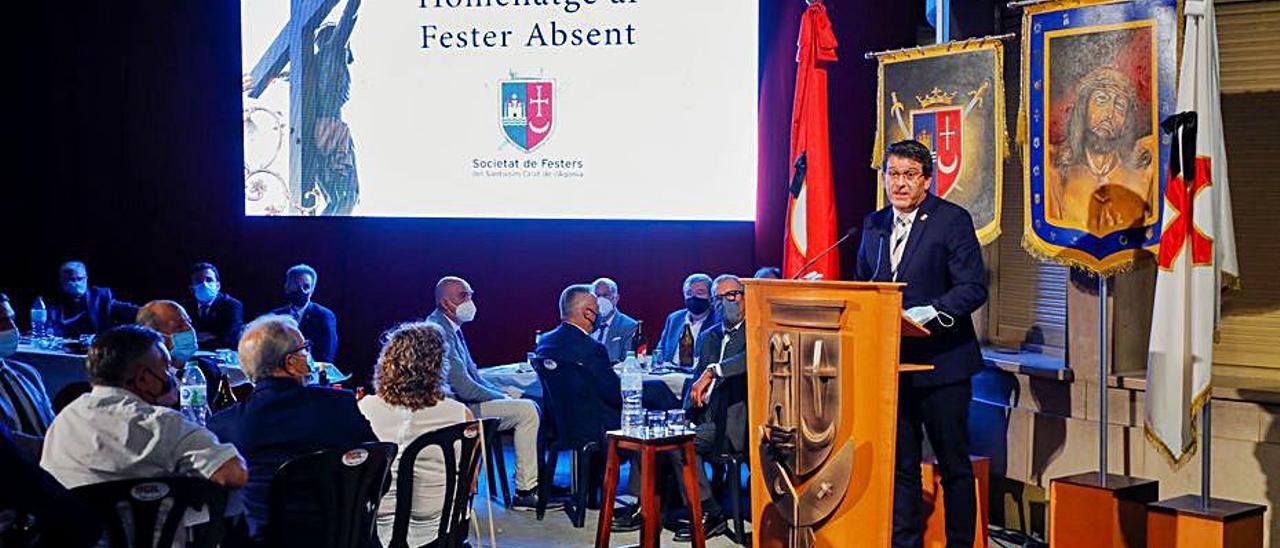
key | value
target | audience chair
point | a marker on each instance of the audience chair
(148, 512)
(732, 463)
(345, 485)
(496, 460)
(551, 443)
(460, 446)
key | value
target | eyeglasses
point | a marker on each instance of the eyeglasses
(731, 296)
(304, 346)
(909, 175)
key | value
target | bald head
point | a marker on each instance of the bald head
(166, 317)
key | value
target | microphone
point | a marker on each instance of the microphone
(847, 234)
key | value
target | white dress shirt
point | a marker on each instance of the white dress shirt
(111, 434)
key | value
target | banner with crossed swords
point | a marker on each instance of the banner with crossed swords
(951, 98)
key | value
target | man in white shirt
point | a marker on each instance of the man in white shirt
(122, 429)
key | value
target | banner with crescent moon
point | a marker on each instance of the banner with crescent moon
(951, 98)
(1098, 76)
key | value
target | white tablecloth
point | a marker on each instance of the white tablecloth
(521, 377)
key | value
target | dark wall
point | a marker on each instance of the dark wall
(124, 151)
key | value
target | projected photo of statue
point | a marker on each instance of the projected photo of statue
(315, 175)
(1101, 172)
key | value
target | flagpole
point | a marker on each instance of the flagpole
(1206, 430)
(942, 28)
(1102, 380)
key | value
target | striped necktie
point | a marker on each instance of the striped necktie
(901, 229)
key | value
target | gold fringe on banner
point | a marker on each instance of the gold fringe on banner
(1122, 261)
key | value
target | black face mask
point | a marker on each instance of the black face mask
(697, 305)
(167, 383)
(595, 321)
(298, 298)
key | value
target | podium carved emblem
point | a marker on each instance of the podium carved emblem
(805, 468)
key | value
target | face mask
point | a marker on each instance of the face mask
(205, 292)
(697, 305)
(8, 343)
(595, 320)
(75, 289)
(298, 298)
(167, 385)
(184, 346)
(313, 377)
(606, 306)
(731, 311)
(466, 311)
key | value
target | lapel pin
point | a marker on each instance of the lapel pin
(924, 217)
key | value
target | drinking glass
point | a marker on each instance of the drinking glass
(657, 422)
(675, 421)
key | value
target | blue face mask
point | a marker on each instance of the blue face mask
(184, 346)
(74, 288)
(731, 312)
(205, 292)
(8, 343)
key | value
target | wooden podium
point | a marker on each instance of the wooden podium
(823, 396)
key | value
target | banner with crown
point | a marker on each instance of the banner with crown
(1098, 76)
(951, 98)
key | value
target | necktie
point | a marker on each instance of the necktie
(204, 311)
(686, 347)
(901, 229)
(600, 333)
(16, 393)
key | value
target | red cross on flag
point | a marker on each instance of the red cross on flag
(1197, 246)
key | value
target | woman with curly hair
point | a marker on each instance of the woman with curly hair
(410, 402)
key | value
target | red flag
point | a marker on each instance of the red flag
(811, 206)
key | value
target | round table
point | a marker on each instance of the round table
(519, 379)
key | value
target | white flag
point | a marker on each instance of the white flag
(1197, 246)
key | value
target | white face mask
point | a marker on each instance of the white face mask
(184, 346)
(466, 311)
(8, 343)
(606, 307)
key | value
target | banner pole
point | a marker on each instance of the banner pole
(1206, 430)
(942, 27)
(1102, 379)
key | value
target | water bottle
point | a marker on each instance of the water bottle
(632, 391)
(39, 318)
(194, 394)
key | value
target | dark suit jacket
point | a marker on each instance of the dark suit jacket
(727, 406)
(320, 326)
(619, 336)
(282, 420)
(942, 266)
(102, 312)
(223, 321)
(669, 341)
(582, 391)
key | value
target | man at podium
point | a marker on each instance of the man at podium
(929, 244)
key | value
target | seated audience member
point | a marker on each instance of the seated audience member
(171, 321)
(768, 273)
(676, 345)
(598, 407)
(24, 405)
(454, 307)
(83, 310)
(411, 402)
(717, 401)
(50, 514)
(616, 331)
(284, 418)
(218, 316)
(121, 430)
(318, 324)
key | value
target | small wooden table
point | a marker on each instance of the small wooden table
(649, 448)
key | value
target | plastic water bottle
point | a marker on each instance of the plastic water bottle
(632, 391)
(194, 394)
(39, 318)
